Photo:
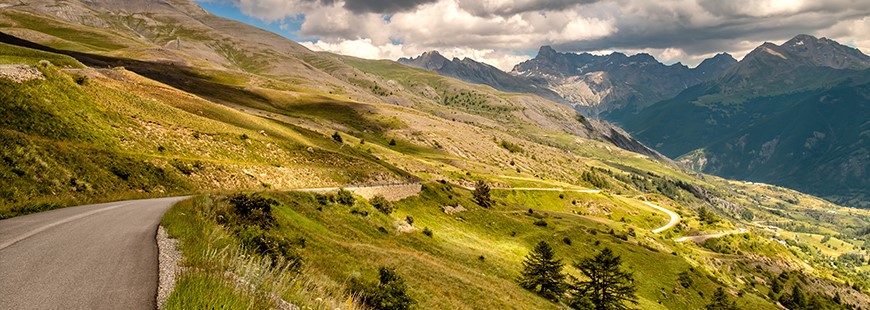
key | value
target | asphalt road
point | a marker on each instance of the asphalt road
(675, 218)
(101, 256)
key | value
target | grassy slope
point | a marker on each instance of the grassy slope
(446, 270)
(124, 122)
(119, 135)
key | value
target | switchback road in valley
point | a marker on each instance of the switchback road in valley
(675, 218)
(101, 256)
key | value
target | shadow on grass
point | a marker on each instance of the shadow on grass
(189, 80)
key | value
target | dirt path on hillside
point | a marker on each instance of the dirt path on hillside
(391, 192)
(702, 238)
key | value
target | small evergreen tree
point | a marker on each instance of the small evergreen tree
(798, 300)
(542, 272)
(721, 301)
(337, 137)
(481, 194)
(607, 287)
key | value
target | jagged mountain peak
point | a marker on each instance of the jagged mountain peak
(807, 50)
(546, 51)
(716, 64)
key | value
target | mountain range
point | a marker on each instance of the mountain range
(769, 117)
(794, 114)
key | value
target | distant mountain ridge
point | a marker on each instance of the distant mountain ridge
(616, 83)
(476, 72)
(594, 85)
(793, 114)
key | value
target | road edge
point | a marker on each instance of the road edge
(168, 259)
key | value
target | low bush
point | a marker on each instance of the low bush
(345, 197)
(270, 244)
(253, 210)
(388, 293)
(382, 204)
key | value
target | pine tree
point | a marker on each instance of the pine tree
(797, 300)
(607, 287)
(721, 301)
(542, 273)
(481, 194)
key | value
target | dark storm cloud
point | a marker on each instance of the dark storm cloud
(376, 6)
(383, 6)
(726, 25)
(510, 8)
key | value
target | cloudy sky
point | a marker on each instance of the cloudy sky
(503, 33)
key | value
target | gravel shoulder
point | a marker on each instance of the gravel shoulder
(168, 258)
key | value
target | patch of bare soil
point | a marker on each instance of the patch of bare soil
(20, 73)
(451, 210)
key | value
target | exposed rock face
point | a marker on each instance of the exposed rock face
(615, 84)
(476, 72)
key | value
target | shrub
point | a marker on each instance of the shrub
(392, 142)
(382, 204)
(270, 244)
(362, 213)
(541, 223)
(183, 167)
(707, 216)
(345, 197)
(337, 137)
(253, 209)
(685, 279)
(324, 199)
(513, 148)
(427, 232)
(409, 219)
(80, 79)
(388, 293)
(120, 171)
(566, 240)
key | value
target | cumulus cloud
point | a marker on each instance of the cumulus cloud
(503, 31)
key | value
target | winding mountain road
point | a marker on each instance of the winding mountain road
(100, 256)
(675, 218)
